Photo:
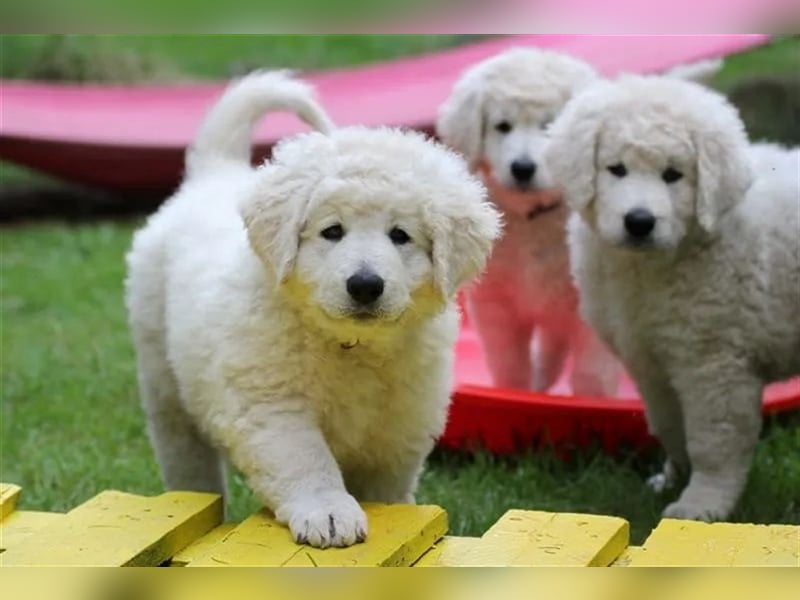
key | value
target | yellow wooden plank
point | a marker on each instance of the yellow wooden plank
(398, 535)
(685, 543)
(9, 494)
(23, 523)
(529, 538)
(627, 556)
(201, 545)
(114, 529)
(450, 551)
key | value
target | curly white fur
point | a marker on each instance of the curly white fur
(496, 116)
(703, 304)
(249, 344)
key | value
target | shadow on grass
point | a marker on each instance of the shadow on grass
(25, 201)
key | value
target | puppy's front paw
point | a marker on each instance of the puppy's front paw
(323, 520)
(684, 510)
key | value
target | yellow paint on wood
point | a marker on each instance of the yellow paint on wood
(529, 538)
(115, 529)
(398, 535)
(627, 556)
(9, 494)
(687, 543)
(450, 551)
(23, 523)
(201, 545)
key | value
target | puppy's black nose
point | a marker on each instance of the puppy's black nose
(365, 287)
(639, 223)
(523, 170)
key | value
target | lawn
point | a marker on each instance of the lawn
(71, 424)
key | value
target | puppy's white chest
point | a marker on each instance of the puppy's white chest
(369, 413)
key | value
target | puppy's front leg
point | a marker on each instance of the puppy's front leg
(664, 418)
(722, 417)
(289, 465)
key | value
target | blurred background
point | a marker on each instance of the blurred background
(71, 423)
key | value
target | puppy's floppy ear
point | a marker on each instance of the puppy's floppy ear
(724, 171)
(461, 120)
(571, 152)
(462, 235)
(273, 218)
(278, 204)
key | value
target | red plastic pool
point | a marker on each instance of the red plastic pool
(505, 421)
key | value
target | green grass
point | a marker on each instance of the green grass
(70, 423)
(169, 57)
(207, 15)
(779, 58)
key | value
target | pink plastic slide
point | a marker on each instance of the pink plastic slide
(134, 138)
(645, 16)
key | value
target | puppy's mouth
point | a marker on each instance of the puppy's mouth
(638, 244)
(527, 202)
(364, 315)
(524, 186)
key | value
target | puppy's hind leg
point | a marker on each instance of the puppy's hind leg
(506, 343)
(393, 483)
(550, 349)
(187, 461)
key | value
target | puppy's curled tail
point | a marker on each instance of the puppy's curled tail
(226, 132)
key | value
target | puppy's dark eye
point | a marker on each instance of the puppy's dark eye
(398, 236)
(503, 127)
(671, 175)
(618, 170)
(334, 233)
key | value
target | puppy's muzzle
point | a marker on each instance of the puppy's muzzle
(639, 224)
(523, 170)
(365, 287)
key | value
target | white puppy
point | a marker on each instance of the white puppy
(497, 117)
(299, 318)
(685, 245)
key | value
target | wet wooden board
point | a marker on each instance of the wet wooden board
(116, 529)
(398, 535)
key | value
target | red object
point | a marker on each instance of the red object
(133, 137)
(505, 421)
